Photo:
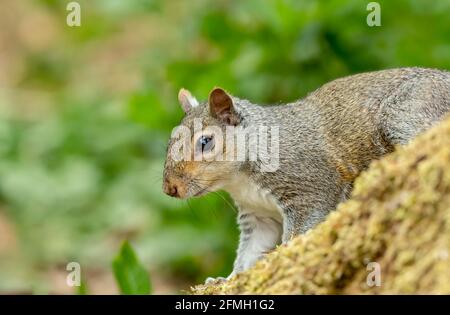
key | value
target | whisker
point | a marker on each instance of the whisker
(226, 201)
(216, 193)
(155, 180)
(191, 209)
(210, 208)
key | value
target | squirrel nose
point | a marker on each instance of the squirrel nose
(171, 189)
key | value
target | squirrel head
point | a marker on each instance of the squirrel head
(196, 161)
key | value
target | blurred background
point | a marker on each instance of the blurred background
(86, 112)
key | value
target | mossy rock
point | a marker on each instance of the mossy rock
(398, 216)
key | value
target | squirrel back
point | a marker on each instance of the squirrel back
(353, 120)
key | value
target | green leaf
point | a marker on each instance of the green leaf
(131, 276)
(82, 289)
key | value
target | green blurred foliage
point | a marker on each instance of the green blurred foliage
(83, 175)
(131, 276)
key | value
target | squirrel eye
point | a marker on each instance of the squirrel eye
(205, 144)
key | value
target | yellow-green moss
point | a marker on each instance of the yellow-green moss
(398, 216)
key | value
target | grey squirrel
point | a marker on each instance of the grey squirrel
(325, 140)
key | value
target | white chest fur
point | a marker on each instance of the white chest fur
(249, 196)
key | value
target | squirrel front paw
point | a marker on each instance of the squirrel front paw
(213, 281)
(218, 280)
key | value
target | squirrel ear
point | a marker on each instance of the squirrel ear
(187, 101)
(221, 107)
